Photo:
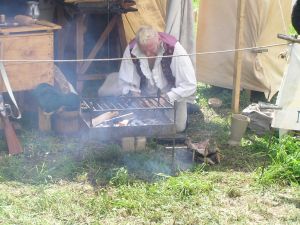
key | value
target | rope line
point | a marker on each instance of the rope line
(152, 57)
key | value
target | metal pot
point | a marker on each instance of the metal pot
(33, 9)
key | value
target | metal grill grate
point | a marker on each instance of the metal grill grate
(124, 103)
(149, 116)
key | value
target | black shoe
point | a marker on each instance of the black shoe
(193, 108)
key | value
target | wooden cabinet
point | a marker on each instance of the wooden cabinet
(34, 42)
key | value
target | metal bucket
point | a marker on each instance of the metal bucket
(239, 124)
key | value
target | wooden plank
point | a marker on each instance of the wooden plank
(238, 56)
(44, 121)
(99, 44)
(27, 47)
(27, 75)
(91, 77)
(80, 30)
(61, 35)
(122, 35)
(31, 28)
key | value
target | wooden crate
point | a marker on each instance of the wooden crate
(27, 43)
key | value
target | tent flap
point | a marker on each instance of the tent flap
(216, 31)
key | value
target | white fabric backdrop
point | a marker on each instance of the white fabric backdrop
(180, 23)
(289, 95)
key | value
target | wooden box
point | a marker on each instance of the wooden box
(33, 42)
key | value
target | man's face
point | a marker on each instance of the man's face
(151, 47)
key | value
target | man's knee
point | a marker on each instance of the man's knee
(181, 116)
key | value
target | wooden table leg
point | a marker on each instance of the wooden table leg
(44, 121)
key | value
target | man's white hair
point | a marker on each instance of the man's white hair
(144, 34)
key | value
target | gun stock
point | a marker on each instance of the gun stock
(13, 143)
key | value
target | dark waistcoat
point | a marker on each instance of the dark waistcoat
(168, 42)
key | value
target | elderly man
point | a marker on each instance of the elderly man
(173, 77)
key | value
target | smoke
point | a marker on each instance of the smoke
(147, 165)
(157, 162)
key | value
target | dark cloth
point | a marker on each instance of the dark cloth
(168, 42)
(296, 16)
(193, 108)
(50, 99)
(13, 7)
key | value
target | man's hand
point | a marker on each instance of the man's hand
(164, 98)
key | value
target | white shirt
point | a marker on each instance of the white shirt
(182, 69)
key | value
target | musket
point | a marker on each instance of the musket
(13, 142)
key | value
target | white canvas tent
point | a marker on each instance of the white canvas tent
(174, 17)
(288, 118)
(180, 23)
(150, 12)
(216, 31)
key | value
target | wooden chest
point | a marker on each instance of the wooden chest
(33, 42)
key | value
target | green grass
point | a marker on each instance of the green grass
(191, 198)
(285, 164)
(196, 4)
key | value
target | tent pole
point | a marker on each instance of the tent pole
(238, 56)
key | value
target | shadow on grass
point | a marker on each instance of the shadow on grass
(49, 159)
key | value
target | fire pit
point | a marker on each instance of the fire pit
(117, 117)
